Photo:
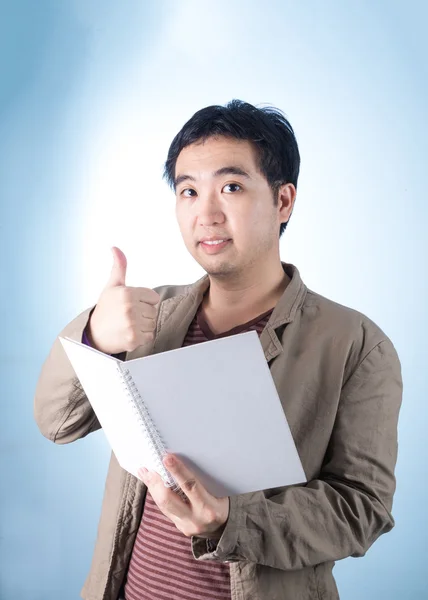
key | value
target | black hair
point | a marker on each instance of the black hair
(271, 134)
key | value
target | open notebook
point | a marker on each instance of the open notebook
(213, 404)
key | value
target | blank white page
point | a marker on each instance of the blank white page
(101, 381)
(216, 406)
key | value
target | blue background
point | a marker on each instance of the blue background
(91, 94)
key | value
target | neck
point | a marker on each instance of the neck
(255, 290)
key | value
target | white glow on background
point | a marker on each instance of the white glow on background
(129, 207)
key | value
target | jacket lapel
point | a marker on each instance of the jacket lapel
(176, 314)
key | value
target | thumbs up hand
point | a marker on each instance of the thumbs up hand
(124, 317)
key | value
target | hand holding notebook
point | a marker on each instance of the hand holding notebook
(213, 404)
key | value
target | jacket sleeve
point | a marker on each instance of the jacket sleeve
(86, 341)
(61, 409)
(344, 510)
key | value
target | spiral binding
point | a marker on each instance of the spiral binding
(149, 429)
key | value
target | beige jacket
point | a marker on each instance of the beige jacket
(339, 380)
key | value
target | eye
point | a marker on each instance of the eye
(186, 190)
(232, 185)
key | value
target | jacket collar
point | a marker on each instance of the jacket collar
(176, 313)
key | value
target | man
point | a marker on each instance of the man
(234, 170)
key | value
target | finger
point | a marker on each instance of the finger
(147, 324)
(118, 270)
(148, 296)
(185, 478)
(168, 501)
(148, 311)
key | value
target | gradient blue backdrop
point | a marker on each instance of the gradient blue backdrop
(91, 94)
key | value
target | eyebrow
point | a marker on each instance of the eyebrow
(229, 170)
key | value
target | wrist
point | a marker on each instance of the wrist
(216, 535)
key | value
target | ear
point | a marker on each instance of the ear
(286, 198)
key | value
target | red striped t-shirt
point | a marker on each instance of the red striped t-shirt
(162, 566)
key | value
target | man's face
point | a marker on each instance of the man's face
(230, 205)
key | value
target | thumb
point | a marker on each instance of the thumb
(118, 271)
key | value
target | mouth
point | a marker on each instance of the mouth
(214, 248)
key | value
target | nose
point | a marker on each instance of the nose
(209, 209)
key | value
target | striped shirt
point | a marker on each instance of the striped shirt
(162, 566)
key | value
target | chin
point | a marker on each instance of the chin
(215, 265)
(218, 268)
